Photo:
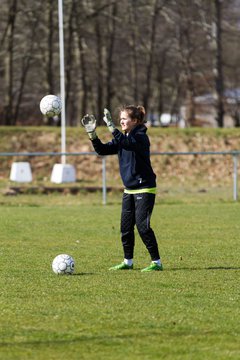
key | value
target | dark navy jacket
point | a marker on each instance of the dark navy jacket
(134, 157)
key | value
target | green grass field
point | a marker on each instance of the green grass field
(188, 311)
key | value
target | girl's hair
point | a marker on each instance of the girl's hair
(135, 112)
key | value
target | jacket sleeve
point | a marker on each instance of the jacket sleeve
(109, 148)
(137, 142)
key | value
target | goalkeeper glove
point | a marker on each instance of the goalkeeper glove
(108, 120)
(89, 123)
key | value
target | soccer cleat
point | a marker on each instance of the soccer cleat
(153, 267)
(122, 266)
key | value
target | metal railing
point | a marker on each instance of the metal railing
(234, 155)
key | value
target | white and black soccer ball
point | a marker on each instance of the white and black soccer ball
(50, 105)
(63, 264)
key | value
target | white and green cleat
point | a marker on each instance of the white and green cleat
(122, 266)
(153, 267)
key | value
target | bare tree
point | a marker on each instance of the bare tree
(99, 66)
(70, 64)
(155, 52)
(134, 49)
(112, 23)
(187, 47)
(9, 36)
(79, 12)
(218, 68)
(50, 42)
(212, 25)
(154, 22)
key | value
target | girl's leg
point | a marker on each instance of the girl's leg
(127, 225)
(144, 204)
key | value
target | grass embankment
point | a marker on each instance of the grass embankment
(179, 177)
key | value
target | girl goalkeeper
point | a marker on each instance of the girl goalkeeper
(133, 149)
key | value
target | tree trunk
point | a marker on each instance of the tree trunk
(69, 61)
(149, 70)
(50, 71)
(99, 69)
(134, 50)
(109, 88)
(25, 68)
(8, 101)
(218, 69)
(160, 79)
(83, 61)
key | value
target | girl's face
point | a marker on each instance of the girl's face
(126, 122)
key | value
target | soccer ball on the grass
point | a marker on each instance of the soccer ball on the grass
(50, 105)
(63, 264)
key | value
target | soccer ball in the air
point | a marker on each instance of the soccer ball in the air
(63, 264)
(50, 105)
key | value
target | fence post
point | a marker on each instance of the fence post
(235, 177)
(104, 187)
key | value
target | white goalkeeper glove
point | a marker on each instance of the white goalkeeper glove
(108, 120)
(90, 123)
